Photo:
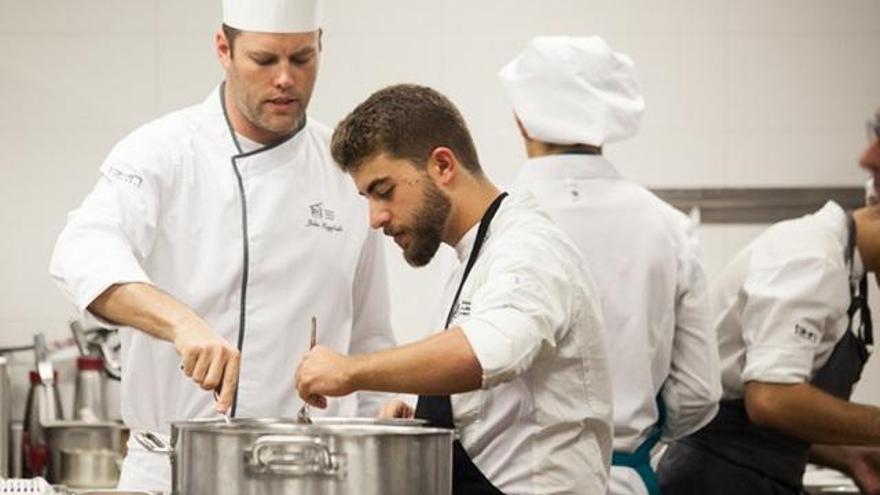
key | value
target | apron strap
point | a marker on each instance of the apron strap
(858, 292)
(640, 459)
(482, 231)
(467, 479)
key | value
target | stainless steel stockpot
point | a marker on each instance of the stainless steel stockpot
(85, 454)
(332, 456)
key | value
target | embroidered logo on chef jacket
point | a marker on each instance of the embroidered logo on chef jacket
(462, 308)
(323, 218)
(120, 176)
(806, 333)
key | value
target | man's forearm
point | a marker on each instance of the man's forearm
(805, 412)
(441, 364)
(142, 306)
(207, 358)
(833, 456)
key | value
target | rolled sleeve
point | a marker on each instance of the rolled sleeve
(789, 311)
(778, 364)
(106, 239)
(520, 311)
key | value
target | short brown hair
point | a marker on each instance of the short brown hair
(406, 121)
(231, 33)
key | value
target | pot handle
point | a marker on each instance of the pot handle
(293, 456)
(152, 443)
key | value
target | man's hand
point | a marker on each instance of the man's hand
(209, 360)
(862, 464)
(864, 469)
(397, 408)
(323, 372)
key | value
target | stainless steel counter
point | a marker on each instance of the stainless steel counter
(758, 205)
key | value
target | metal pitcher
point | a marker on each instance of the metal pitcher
(43, 407)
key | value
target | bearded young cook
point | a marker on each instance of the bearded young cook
(518, 362)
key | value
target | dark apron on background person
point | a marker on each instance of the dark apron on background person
(467, 479)
(732, 455)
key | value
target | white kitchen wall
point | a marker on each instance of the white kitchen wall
(739, 93)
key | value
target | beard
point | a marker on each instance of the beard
(427, 229)
(253, 108)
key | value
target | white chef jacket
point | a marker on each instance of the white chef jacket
(167, 211)
(541, 423)
(644, 256)
(780, 306)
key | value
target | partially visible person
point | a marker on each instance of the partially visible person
(216, 232)
(518, 364)
(870, 159)
(571, 96)
(794, 331)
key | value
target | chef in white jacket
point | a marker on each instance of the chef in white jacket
(518, 363)
(571, 96)
(216, 232)
(794, 332)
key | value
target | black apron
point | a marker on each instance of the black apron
(731, 455)
(467, 479)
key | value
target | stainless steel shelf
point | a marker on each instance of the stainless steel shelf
(758, 205)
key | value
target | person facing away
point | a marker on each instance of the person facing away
(571, 96)
(794, 332)
(216, 232)
(518, 363)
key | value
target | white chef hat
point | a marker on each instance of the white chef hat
(573, 90)
(273, 16)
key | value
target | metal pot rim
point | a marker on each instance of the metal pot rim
(325, 425)
(72, 423)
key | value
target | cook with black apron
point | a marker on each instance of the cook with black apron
(790, 309)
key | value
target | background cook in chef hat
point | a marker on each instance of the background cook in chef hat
(573, 90)
(273, 16)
